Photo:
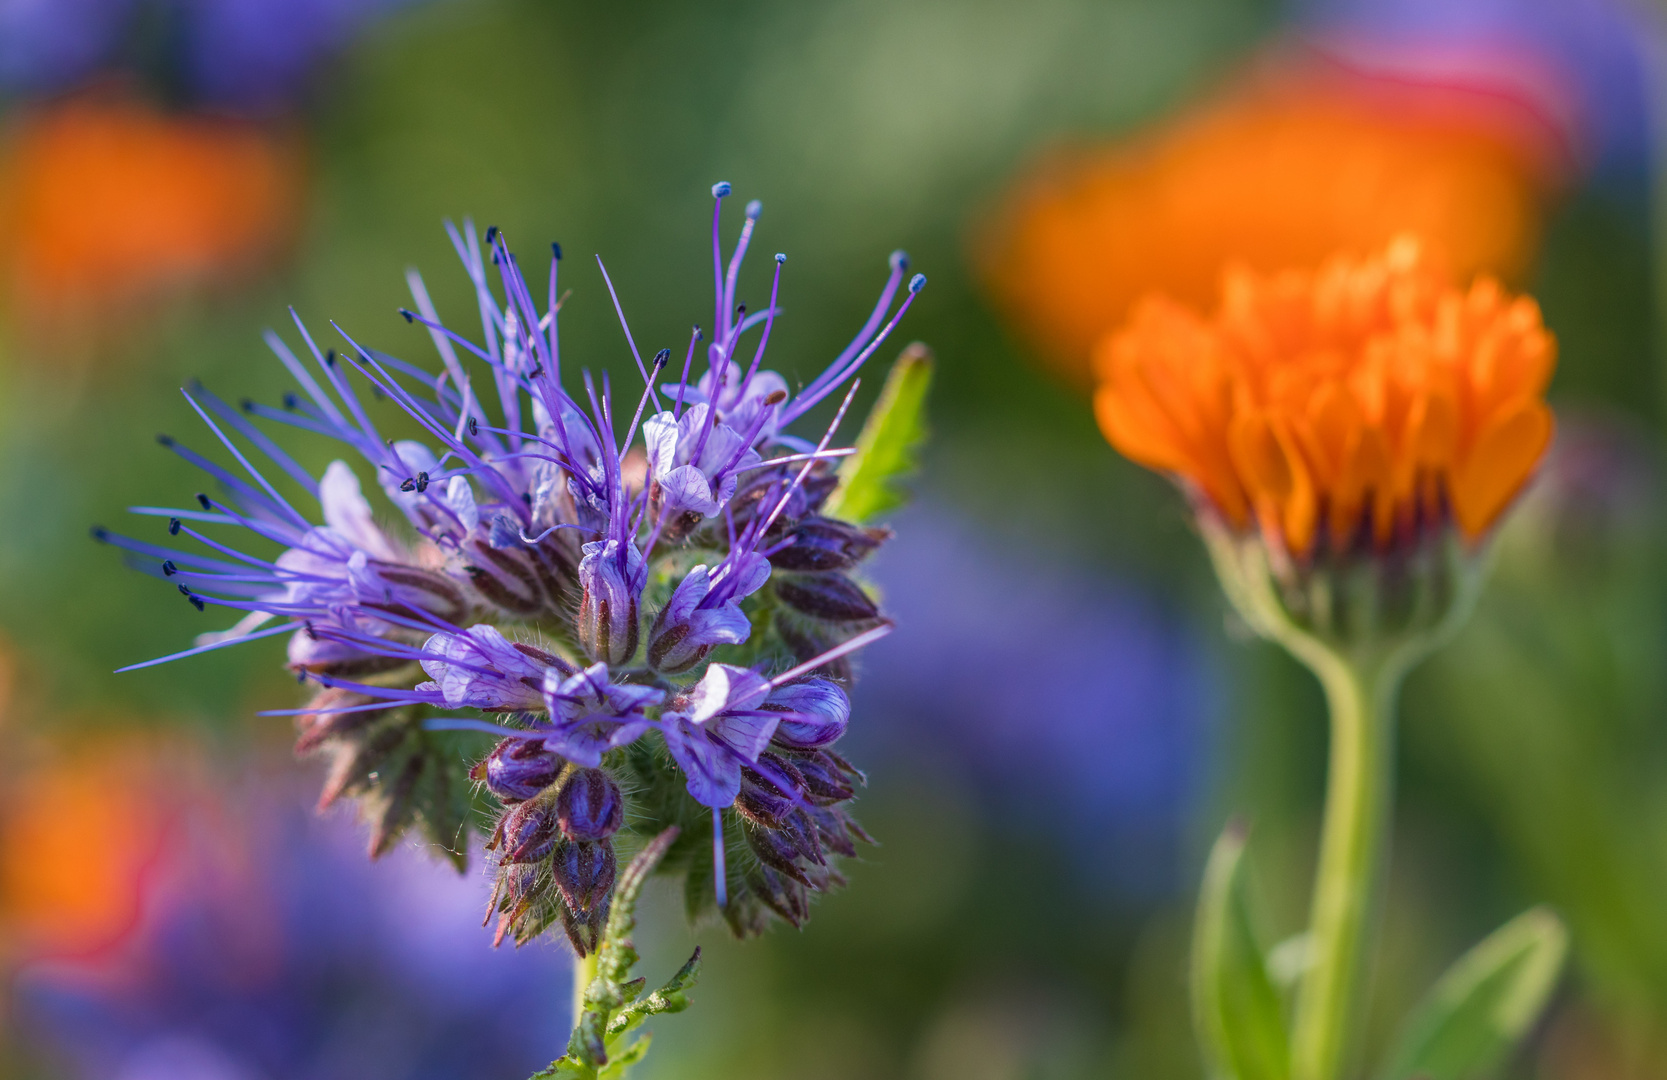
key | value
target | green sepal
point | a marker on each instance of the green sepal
(1477, 1012)
(1238, 1013)
(600, 1048)
(886, 448)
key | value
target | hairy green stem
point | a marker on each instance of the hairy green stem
(584, 973)
(1353, 853)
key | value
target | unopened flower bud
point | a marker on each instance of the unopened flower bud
(823, 779)
(775, 851)
(612, 575)
(518, 769)
(835, 831)
(819, 544)
(814, 712)
(528, 832)
(782, 895)
(585, 873)
(831, 598)
(589, 805)
(770, 792)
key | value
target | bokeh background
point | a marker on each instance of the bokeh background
(1064, 718)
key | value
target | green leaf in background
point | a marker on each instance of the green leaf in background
(886, 448)
(1240, 1020)
(1484, 1003)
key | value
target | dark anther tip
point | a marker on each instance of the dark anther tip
(720, 189)
(168, 568)
(917, 283)
(661, 357)
(185, 590)
(700, 335)
(203, 501)
(195, 386)
(330, 357)
(165, 440)
(555, 250)
(291, 402)
(538, 369)
(776, 397)
(197, 602)
(408, 484)
(740, 310)
(527, 497)
(247, 405)
(173, 526)
(311, 633)
(408, 316)
(491, 233)
(99, 533)
(781, 257)
(474, 426)
(900, 259)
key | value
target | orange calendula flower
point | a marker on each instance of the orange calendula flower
(107, 204)
(1352, 406)
(1281, 170)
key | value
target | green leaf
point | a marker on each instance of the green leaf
(1236, 1009)
(1484, 1004)
(886, 448)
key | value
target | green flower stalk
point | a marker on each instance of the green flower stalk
(1350, 438)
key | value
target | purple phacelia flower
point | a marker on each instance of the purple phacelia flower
(704, 611)
(481, 669)
(717, 727)
(518, 510)
(590, 714)
(813, 713)
(694, 463)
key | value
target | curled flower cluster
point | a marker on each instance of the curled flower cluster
(1355, 407)
(658, 635)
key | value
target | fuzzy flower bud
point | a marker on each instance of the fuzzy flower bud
(612, 575)
(832, 598)
(819, 545)
(589, 805)
(528, 832)
(518, 769)
(585, 873)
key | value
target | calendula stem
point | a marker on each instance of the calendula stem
(1353, 847)
(584, 973)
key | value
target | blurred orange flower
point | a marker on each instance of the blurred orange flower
(1348, 404)
(1282, 171)
(106, 204)
(77, 837)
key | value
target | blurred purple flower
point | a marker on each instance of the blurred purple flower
(271, 949)
(1077, 705)
(1584, 65)
(247, 55)
(47, 45)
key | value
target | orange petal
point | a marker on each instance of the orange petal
(1496, 468)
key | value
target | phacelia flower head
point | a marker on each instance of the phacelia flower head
(1365, 410)
(499, 573)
